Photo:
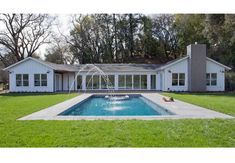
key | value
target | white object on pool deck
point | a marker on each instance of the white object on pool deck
(182, 110)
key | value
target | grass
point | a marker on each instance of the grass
(122, 133)
(221, 102)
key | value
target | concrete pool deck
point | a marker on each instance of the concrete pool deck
(181, 110)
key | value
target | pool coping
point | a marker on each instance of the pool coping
(181, 110)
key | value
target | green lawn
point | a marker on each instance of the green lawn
(123, 133)
(221, 102)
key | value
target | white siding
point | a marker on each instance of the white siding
(215, 68)
(159, 81)
(181, 67)
(31, 67)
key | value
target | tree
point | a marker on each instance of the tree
(189, 29)
(55, 55)
(59, 54)
(84, 39)
(219, 30)
(23, 34)
(164, 31)
(149, 45)
(3, 74)
(130, 38)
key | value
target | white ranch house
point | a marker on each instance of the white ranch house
(194, 72)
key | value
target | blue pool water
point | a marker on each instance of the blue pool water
(101, 106)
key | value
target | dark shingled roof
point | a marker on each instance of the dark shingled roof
(62, 67)
(108, 67)
(121, 67)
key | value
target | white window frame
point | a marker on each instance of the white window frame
(211, 80)
(22, 80)
(178, 79)
(40, 80)
(43, 80)
(19, 80)
(141, 81)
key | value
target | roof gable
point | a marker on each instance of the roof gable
(220, 64)
(24, 60)
(59, 67)
(173, 62)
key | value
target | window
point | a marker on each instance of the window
(40, 80)
(178, 79)
(18, 80)
(79, 82)
(143, 81)
(44, 80)
(96, 81)
(181, 79)
(136, 81)
(128, 81)
(121, 82)
(88, 82)
(125, 81)
(107, 82)
(153, 81)
(103, 82)
(174, 79)
(36, 79)
(110, 81)
(211, 79)
(22, 80)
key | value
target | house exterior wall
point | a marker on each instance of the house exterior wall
(181, 67)
(31, 67)
(159, 81)
(220, 71)
(67, 82)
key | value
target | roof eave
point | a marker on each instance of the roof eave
(168, 65)
(28, 58)
(220, 64)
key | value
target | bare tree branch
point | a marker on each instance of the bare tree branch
(25, 33)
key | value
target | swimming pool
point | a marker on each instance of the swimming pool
(98, 105)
